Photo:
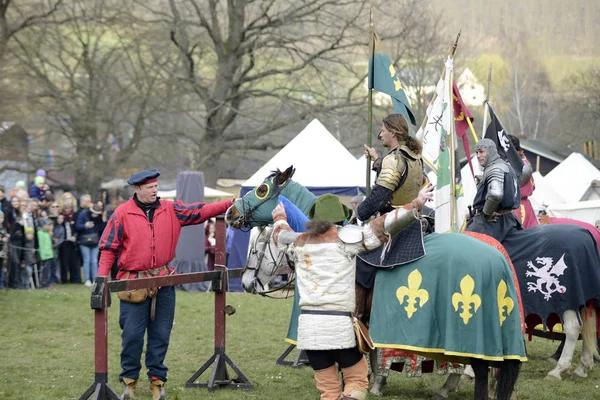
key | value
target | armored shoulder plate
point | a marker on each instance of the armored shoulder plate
(392, 168)
(350, 234)
(495, 171)
(408, 152)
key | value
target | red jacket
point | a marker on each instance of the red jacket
(142, 245)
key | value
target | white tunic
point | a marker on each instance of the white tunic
(326, 271)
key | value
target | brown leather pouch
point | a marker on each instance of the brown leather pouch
(363, 338)
(137, 295)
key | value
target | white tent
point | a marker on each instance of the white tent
(544, 194)
(573, 177)
(322, 164)
(209, 193)
(362, 166)
(586, 211)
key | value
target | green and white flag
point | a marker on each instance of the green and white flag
(439, 151)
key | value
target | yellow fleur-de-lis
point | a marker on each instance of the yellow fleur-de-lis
(412, 293)
(466, 297)
(397, 83)
(504, 301)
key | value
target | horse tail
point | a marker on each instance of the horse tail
(588, 331)
(509, 372)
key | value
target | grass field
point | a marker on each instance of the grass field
(46, 342)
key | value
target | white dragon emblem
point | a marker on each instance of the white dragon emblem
(547, 282)
(503, 140)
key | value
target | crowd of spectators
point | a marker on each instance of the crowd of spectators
(46, 238)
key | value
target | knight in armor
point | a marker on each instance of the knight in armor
(399, 174)
(399, 179)
(497, 195)
(525, 213)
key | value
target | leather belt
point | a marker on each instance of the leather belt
(327, 312)
(501, 212)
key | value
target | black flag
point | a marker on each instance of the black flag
(496, 132)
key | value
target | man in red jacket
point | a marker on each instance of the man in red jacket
(143, 233)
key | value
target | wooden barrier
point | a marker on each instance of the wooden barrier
(219, 377)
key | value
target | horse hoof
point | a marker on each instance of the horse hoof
(376, 392)
(553, 377)
(580, 372)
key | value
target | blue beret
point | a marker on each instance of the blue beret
(142, 176)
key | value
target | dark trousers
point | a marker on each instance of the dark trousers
(70, 267)
(45, 272)
(135, 321)
(345, 358)
(14, 280)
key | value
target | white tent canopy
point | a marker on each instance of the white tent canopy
(586, 211)
(544, 194)
(320, 162)
(573, 177)
(209, 193)
(362, 166)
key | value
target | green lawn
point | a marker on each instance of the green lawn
(46, 337)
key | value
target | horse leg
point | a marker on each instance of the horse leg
(571, 328)
(495, 372)
(469, 371)
(380, 372)
(507, 377)
(451, 384)
(590, 349)
(480, 367)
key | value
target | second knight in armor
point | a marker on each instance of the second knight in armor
(497, 195)
(399, 174)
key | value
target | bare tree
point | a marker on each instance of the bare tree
(97, 87)
(268, 63)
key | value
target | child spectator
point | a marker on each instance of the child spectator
(3, 250)
(45, 252)
(27, 259)
(38, 188)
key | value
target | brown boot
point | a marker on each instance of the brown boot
(129, 392)
(356, 382)
(157, 388)
(328, 383)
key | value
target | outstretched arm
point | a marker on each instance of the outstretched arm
(283, 234)
(197, 213)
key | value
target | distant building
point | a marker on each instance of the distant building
(545, 155)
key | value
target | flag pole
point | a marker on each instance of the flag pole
(370, 96)
(452, 154)
(487, 98)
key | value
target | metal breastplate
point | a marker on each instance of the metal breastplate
(410, 183)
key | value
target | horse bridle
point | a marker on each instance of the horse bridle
(260, 254)
(245, 217)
